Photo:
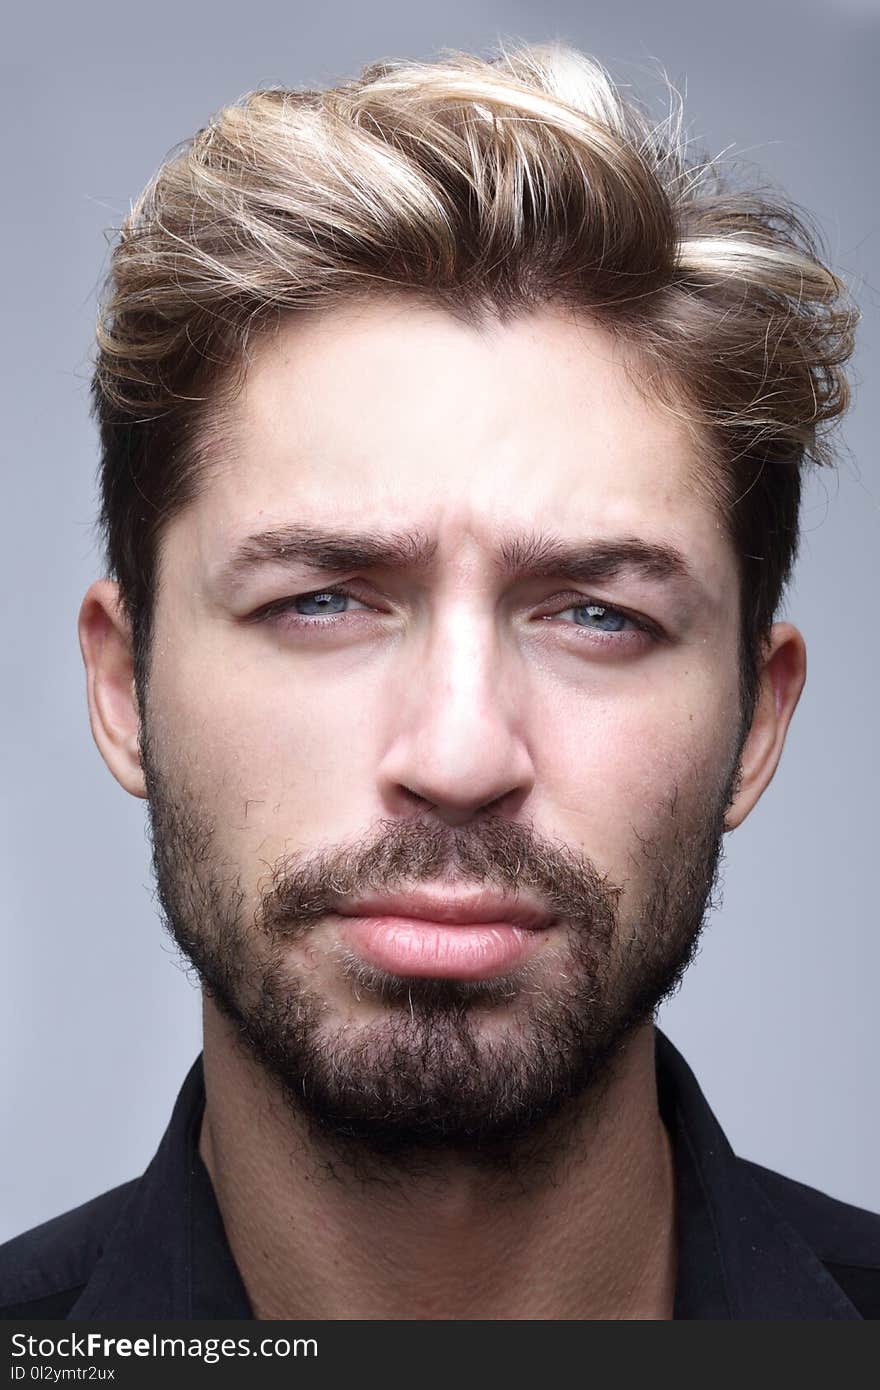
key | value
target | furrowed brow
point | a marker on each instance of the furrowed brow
(526, 556)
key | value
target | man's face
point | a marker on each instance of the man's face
(463, 721)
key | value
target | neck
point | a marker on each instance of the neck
(313, 1239)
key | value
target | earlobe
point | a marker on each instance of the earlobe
(782, 678)
(105, 643)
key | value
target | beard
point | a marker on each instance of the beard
(485, 1069)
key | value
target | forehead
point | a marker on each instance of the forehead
(395, 415)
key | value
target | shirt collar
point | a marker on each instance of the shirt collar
(168, 1256)
(738, 1257)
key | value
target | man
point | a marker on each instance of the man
(452, 426)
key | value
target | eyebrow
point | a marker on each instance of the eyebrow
(525, 556)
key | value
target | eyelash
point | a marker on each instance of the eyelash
(279, 612)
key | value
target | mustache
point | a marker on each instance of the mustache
(400, 854)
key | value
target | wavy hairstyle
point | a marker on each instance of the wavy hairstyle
(488, 187)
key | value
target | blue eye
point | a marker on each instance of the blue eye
(320, 607)
(603, 625)
(598, 615)
(323, 601)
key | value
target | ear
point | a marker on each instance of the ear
(105, 642)
(781, 681)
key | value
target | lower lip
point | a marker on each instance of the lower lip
(444, 950)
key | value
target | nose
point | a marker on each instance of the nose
(456, 738)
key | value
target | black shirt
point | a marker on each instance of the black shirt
(752, 1244)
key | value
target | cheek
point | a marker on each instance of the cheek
(628, 770)
(284, 764)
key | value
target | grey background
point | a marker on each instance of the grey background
(99, 1021)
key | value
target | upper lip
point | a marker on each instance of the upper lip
(445, 906)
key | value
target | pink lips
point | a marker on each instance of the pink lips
(445, 935)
